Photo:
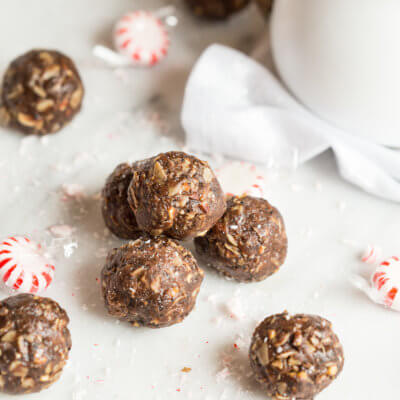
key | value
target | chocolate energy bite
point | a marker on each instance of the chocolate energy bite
(248, 243)
(175, 194)
(34, 343)
(151, 282)
(217, 9)
(295, 357)
(42, 91)
(265, 6)
(117, 214)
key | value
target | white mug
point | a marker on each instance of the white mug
(341, 58)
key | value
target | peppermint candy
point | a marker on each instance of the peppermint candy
(23, 266)
(140, 38)
(386, 281)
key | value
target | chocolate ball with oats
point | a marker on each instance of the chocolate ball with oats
(295, 357)
(175, 194)
(265, 6)
(34, 343)
(42, 91)
(117, 214)
(216, 9)
(248, 243)
(151, 282)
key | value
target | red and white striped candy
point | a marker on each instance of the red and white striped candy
(142, 38)
(23, 266)
(386, 280)
(241, 178)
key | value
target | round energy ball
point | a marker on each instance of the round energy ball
(295, 357)
(42, 91)
(265, 6)
(34, 343)
(248, 243)
(117, 214)
(219, 9)
(175, 194)
(151, 282)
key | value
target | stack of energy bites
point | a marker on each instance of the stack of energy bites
(153, 280)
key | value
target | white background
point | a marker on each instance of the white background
(131, 114)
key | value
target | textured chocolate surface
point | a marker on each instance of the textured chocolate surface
(175, 194)
(118, 215)
(42, 91)
(265, 6)
(151, 282)
(248, 243)
(34, 343)
(216, 8)
(295, 357)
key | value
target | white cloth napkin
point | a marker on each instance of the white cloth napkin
(236, 107)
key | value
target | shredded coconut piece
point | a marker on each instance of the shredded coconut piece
(69, 249)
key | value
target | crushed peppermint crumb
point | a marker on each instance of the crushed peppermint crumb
(234, 308)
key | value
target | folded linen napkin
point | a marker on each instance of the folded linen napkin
(236, 107)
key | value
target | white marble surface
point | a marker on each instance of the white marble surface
(135, 113)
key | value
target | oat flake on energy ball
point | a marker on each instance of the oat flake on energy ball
(41, 93)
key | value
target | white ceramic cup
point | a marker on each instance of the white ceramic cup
(341, 58)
